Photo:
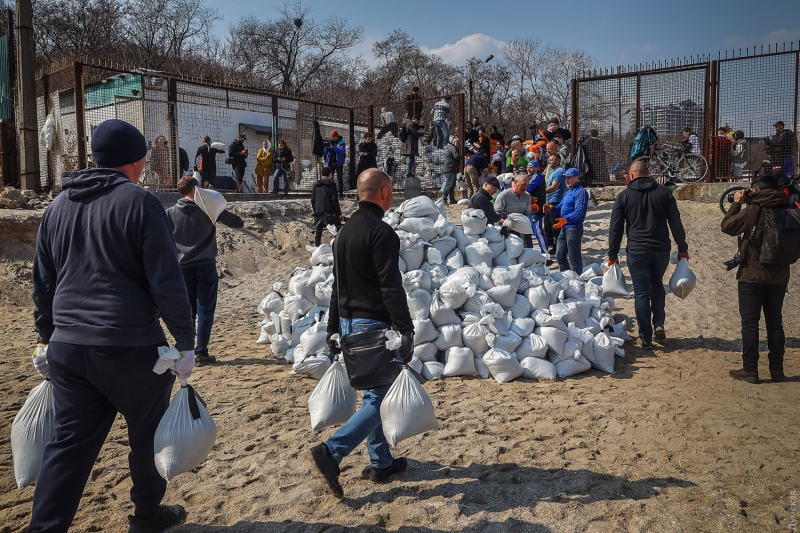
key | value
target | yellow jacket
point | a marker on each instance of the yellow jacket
(264, 159)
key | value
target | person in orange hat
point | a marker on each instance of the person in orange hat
(335, 151)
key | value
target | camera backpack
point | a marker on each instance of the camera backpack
(781, 242)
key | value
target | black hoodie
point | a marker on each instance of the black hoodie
(643, 210)
(324, 200)
(106, 267)
(195, 234)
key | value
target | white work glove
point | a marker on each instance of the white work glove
(185, 364)
(40, 361)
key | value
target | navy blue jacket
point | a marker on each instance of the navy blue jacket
(106, 267)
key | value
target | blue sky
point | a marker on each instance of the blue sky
(612, 31)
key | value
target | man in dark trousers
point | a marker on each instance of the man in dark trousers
(325, 205)
(482, 200)
(367, 295)
(238, 155)
(646, 211)
(207, 165)
(761, 286)
(335, 152)
(106, 269)
(196, 237)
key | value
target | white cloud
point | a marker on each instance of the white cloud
(781, 36)
(364, 49)
(475, 45)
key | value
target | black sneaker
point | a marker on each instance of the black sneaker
(326, 465)
(382, 475)
(778, 378)
(166, 516)
(202, 360)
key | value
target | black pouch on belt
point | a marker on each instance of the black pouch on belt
(370, 365)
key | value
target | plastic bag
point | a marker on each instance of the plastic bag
(473, 221)
(419, 206)
(413, 256)
(614, 284)
(321, 255)
(535, 368)
(503, 365)
(449, 337)
(459, 361)
(440, 314)
(514, 246)
(423, 226)
(272, 302)
(419, 302)
(185, 435)
(32, 429)
(478, 253)
(312, 365)
(406, 410)
(683, 280)
(333, 401)
(519, 223)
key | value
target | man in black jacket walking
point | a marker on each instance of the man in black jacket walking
(238, 155)
(196, 237)
(208, 162)
(105, 271)
(325, 204)
(367, 295)
(643, 211)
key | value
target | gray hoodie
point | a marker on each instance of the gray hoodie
(195, 234)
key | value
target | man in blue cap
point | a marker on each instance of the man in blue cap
(570, 213)
(105, 271)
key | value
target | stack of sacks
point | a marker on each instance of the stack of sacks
(482, 305)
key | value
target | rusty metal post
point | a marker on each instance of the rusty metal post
(49, 158)
(275, 122)
(80, 114)
(371, 120)
(575, 108)
(352, 165)
(638, 102)
(795, 164)
(172, 126)
(712, 121)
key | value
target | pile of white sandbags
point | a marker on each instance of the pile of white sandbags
(482, 304)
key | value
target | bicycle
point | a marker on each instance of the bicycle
(676, 161)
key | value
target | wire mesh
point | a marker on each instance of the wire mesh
(59, 101)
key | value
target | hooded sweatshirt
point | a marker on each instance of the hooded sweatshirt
(324, 200)
(195, 234)
(106, 267)
(643, 210)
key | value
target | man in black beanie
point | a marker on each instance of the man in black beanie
(106, 269)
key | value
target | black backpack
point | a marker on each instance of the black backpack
(781, 242)
(403, 134)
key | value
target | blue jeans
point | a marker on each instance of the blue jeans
(442, 133)
(366, 423)
(449, 186)
(568, 245)
(276, 181)
(647, 274)
(201, 285)
(411, 159)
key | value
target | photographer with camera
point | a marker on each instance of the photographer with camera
(761, 286)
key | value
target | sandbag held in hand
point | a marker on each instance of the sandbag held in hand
(614, 284)
(683, 280)
(333, 401)
(406, 409)
(32, 429)
(185, 435)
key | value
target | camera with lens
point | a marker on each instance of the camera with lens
(730, 264)
(747, 195)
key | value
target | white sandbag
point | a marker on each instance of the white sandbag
(593, 294)
(298, 274)
(33, 427)
(575, 289)
(463, 240)
(543, 319)
(509, 342)
(552, 288)
(449, 337)
(424, 331)
(416, 365)
(507, 275)
(535, 368)
(614, 284)
(401, 265)
(502, 324)
(445, 245)
(419, 303)
(593, 326)
(454, 259)
(437, 274)
(413, 256)
(503, 365)
(529, 257)
(278, 345)
(523, 326)
(478, 253)
(555, 338)
(314, 338)
(475, 302)
(567, 312)
(485, 281)
(452, 296)
(465, 278)
(299, 327)
(459, 361)
(432, 370)
(419, 206)
(474, 335)
(333, 400)
(320, 273)
(532, 345)
(492, 234)
(683, 280)
(182, 440)
(584, 309)
(620, 331)
(407, 239)
(591, 272)
(481, 368)
(473, 221)
(425, 352)
(322, 294)
(392, 218)
(406, 410)
(505, 295)
(440, 314)
(570, 367)
(497, 248)
(314, 365)
(522, 307)
(321, 255)
(504, 260)
(421, 278)
(296, 306)
(421, 226)
(305, 289)
(272, 302)
(603, 350)
(572, 350)
(514, 246)
(432, 255)
(267, 330)
(519, 223)
(538, 297)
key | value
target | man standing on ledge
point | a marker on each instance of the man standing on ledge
(643, 211)
(367, 295)
(106, 269)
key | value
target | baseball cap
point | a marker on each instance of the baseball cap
(779, 123)
(572, 172)
(243, 136)
(534, 164)
(491, 180)
(519, 168)
(516, 138)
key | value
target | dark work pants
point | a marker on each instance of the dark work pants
(647, 275)
(752, 299)
(336, 169)
(201, 285)
(238, 175)
(550, 232)
(91, 384)
(209, 176)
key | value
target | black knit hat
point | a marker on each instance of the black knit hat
(116, 143)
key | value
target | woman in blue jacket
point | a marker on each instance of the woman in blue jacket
(335, 151)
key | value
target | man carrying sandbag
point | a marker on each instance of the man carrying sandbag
(516, 199)
(106, 269)
(483, 200)
(196, 236)
(643, 211)
(761, 286)
(367, 295)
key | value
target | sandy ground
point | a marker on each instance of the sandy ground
(668, 443)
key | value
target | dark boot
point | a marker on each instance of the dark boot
(744, 375)
(326, 465)
(382, 475)
(165, 517)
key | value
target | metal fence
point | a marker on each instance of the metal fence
(746, 92)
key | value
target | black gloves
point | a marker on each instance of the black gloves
(504, 231)
(406, 349)
(333, 346)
